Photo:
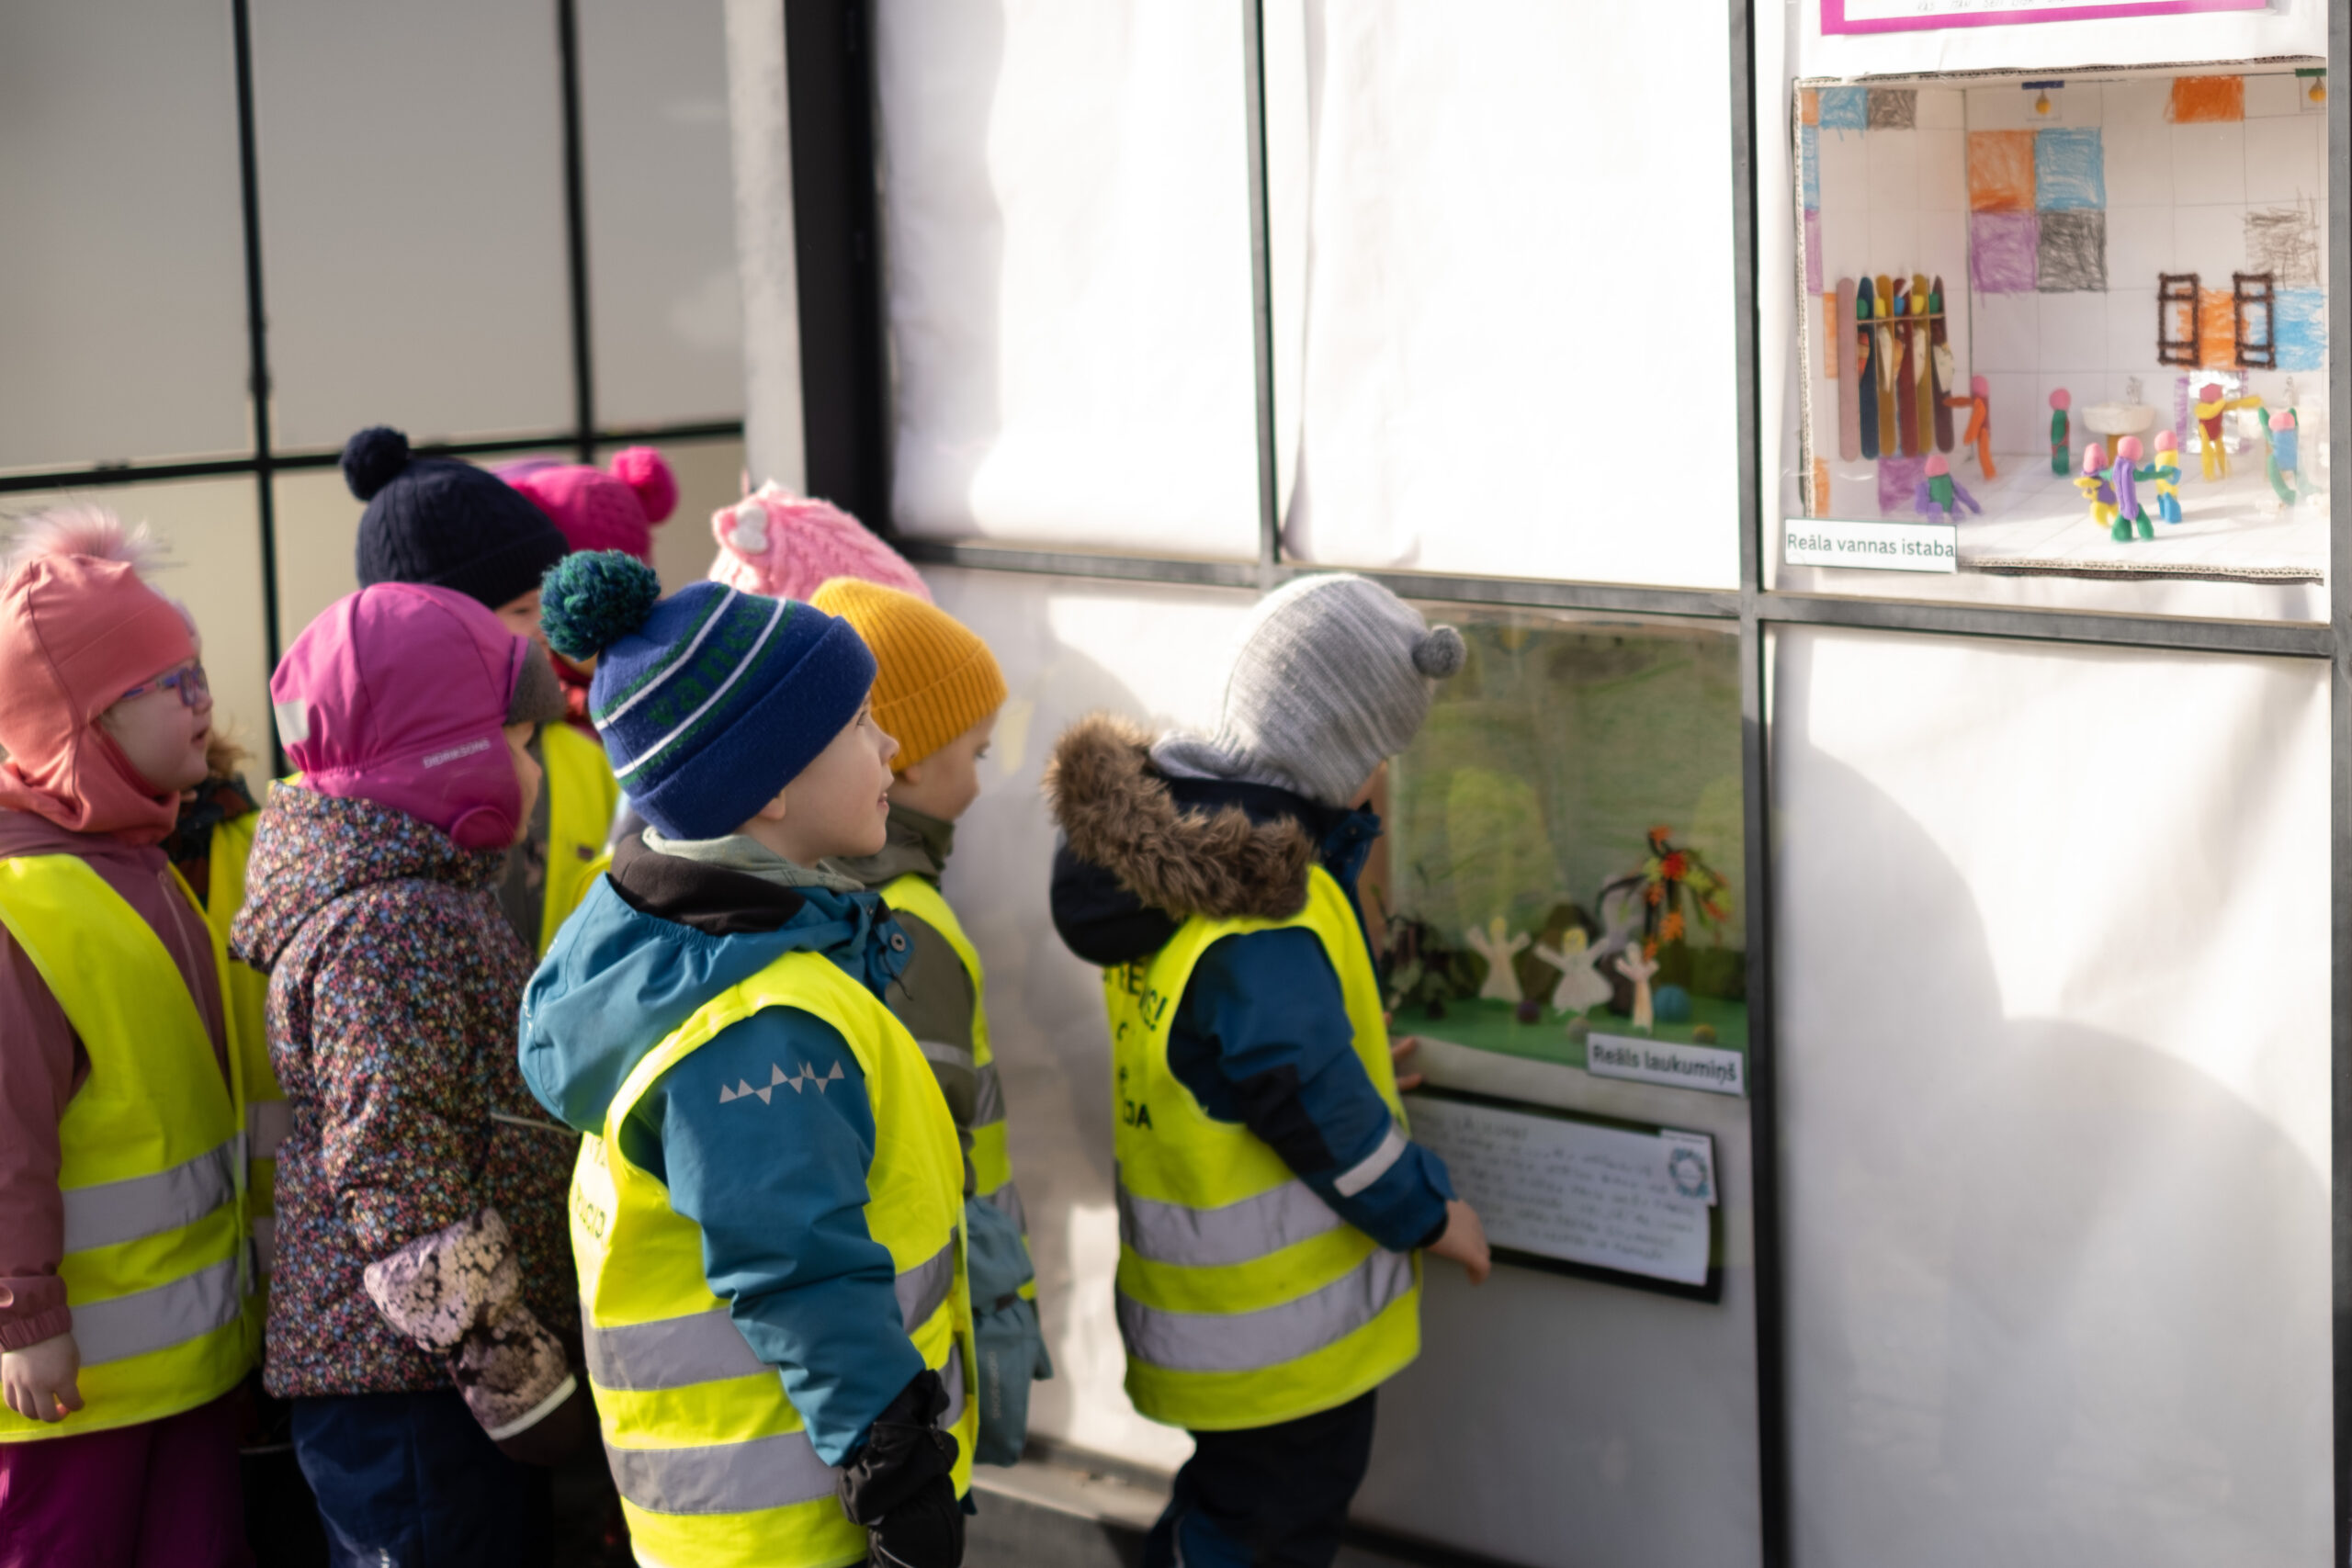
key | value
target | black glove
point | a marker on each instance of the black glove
(901, 1485)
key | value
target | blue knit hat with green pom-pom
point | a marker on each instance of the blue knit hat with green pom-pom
(710, 702)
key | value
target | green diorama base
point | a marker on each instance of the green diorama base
(1494, 1026)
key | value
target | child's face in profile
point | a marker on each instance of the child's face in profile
(527, 773)
(839, 804)
(520, 615)
(945, 784)
(162, 731)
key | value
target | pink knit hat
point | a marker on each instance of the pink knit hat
(399, 693)
(783, 546)
(615, 508)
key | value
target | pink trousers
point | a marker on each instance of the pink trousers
(162, 1494)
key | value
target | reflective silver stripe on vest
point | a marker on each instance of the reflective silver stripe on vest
(707, 1347)
(945, 1056)
(1373, 1165)
(988, 1100)
(267, 1122)
(737, 1478)
(1239, 1233)
(1249, 1341)
(123, 1327)
(112, 1211)
(1007, 1199)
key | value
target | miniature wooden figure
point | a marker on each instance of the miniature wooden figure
(1863, 385)
(1945, 366)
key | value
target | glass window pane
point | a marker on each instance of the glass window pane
(1067, 209)
(123, 283)
(1519, 333)
(411, 173)
(211, 534)
(668, 312)
(2051, 938)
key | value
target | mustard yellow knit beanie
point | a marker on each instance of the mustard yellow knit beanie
(936, 679)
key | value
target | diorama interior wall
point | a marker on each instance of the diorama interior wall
(2052, 982)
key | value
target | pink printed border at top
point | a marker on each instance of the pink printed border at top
(1833, 14)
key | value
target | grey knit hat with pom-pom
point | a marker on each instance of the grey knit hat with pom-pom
(1329, 679)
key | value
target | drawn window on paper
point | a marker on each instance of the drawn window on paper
(1564, 846)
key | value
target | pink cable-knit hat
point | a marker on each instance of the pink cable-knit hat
(783, 546)
(613, 508)
(399, 695)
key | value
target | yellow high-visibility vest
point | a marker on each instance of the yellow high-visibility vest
(582, 798)
(991, 1160)
(714, 1464)
(1244, 1299)
(245, 995)
(151, 1164)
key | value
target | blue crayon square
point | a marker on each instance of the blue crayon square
(2298, 328)
(1809, 166)
(2069, 170)
(1845, 109)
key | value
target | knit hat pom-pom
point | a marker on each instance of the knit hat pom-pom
(645, 472)
(374, 458)
(590, 601)
(1441, 653)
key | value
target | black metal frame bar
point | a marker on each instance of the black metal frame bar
(575, 233)
(1753, 610)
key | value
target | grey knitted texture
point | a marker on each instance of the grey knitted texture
(1332, 677)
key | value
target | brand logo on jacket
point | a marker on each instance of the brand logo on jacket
(798, 1083)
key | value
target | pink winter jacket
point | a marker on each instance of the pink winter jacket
(42, 1064)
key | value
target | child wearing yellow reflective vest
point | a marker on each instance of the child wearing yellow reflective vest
(1271, 1203)
(937, 689)
(123, 1266)
(766, 1214)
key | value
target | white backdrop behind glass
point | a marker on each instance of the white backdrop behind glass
(1519, 336)
(122, 276)
(412, 168)
(2054, 1045)
(1066, 205)
(668, 310)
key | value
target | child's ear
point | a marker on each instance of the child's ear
(912, 773)
(774, 810)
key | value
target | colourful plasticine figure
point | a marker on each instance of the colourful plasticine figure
(2166, 476)
(2280, 461)
(2124, 481)
(2093, 482)
(2060, 401)
(1939, 495)
(1979, 405)
(2213, 407)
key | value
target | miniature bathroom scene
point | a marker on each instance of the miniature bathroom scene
(2081, 316)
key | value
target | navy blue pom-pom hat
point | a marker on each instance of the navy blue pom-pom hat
(444, 524)
(710, 702)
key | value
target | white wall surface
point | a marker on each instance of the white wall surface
(2051, 966)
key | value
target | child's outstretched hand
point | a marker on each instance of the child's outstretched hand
(39, 1380)
(1465, 1242)
(1399, 1048)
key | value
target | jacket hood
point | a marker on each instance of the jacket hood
(1141, 851)
(311, 849)
(655, 939)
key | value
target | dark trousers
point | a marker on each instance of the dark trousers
(412, 1481)
(1266, 1497)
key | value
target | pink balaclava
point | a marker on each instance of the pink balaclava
(78, 629)
(783, 546)
(613, 508)
(399, 693)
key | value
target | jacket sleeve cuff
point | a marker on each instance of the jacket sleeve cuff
(1401, 1209)
(21, 1333)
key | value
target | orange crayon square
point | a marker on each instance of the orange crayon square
(2201, 99)
(1820, 497)
(1808, 106)
(2217, 337)
(2000, 171)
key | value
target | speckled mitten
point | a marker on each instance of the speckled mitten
(457, 1292)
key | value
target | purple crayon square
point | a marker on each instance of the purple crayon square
(2001, 251)
(1898, 484)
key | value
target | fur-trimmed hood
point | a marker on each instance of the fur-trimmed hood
(1141, 850)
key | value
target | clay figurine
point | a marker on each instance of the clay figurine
(2129, 515)
(1638, 967)
(1940, 496)
(1579, 987)
(2093, 482)
(1979, 405)
(2213, 408)
(2280, 462)
(1498, 946)
(2165, 474)
(2060, 401)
